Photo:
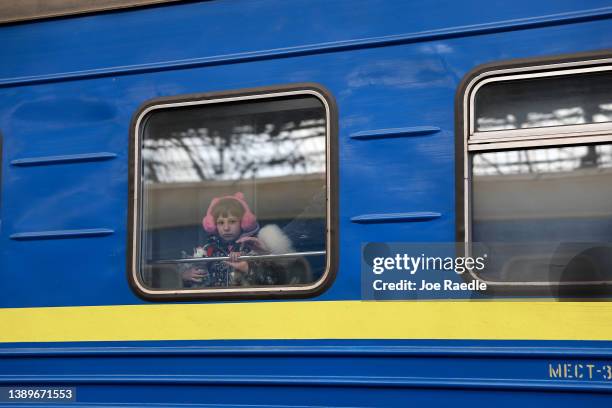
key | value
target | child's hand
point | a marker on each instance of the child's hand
(255, 243)
(233, 256)
(193, 275)
(240, 266)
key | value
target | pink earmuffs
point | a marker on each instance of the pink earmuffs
(247, 224)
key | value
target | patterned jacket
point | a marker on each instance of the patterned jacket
(221, 274)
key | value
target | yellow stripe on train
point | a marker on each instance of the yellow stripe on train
(312, 320)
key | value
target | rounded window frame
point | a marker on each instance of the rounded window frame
(134, 230)
(525, 138)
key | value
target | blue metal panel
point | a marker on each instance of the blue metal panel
(411, 84)
(69, 88)
(225, 28)
(340, 373)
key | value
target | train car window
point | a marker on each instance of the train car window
(539, 176)
(234, 196)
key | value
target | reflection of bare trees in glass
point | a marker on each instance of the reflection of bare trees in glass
(543, 102)
(521, 119)
(542, 160)
(236, 151)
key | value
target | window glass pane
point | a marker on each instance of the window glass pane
(542, 102)
(247, 177)
(544, 213)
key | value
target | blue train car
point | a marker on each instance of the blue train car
(235, 203)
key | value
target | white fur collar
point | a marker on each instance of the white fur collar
(275, 239)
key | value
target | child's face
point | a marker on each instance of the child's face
(228, 227)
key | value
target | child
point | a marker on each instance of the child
(232, 228)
